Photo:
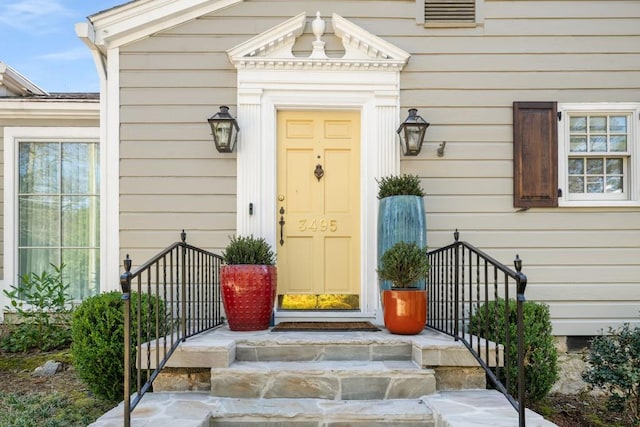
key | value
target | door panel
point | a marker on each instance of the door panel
(319, 202)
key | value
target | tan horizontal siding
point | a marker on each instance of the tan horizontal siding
(570, 256)
(196, 185)
(525, 62)
(179, 96)
(187, 78)
(185, 149)
(588, 291)
(457, 44)
(505, 9)
(176, 203)
(522, 80)
(488, 240)
(539, 220)
(463, 81)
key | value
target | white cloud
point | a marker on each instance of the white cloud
(32, 15)
(67, 55)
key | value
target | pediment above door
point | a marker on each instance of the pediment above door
(273, 49)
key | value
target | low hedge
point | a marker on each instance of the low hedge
(97, 330)
(540, 353)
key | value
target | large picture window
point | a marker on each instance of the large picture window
(52, 205)
(58, 211)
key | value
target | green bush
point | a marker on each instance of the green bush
(540, 353)
(614, 365)
(403, 264)
(399, 185)
(42, 304)
(98, 340)
(248, 250)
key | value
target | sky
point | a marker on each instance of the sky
(38, 40)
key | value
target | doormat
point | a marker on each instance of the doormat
(324, 327)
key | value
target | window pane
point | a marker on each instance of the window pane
(578, 124)
(576, 184)
(614, 167)
(80, 221)
(598, 124)
(614, 184)
(618, 124)
(618, 143)
(595, 184)
(595, 166)
(578, 144)
(598, 143)
(38, 223)
(38, 167)
(80, 168)
(37, 260)
(82, 271)
(576, 166)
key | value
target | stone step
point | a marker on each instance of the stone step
(468, 408)
(321, 413)
(333, 380)
(293, 348)
(221, 347)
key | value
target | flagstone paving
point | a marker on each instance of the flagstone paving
(322, 379)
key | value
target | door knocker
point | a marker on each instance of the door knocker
(319, 172)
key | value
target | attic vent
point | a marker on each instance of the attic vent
(449, 11)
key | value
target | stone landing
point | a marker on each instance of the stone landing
(428, 354)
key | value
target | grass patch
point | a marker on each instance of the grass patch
(49, 409)
(29, 362)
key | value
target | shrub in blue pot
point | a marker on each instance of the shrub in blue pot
(401, 217)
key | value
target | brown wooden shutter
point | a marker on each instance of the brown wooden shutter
(535, 154)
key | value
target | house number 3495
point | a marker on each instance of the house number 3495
(315, 225)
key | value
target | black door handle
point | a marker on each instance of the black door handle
(281, 222)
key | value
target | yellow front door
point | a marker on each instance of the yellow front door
(318, 239)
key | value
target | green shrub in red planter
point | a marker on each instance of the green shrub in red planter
(248, 283)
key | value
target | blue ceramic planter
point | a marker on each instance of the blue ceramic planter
(401, 218)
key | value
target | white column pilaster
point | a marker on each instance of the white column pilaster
(249, 164)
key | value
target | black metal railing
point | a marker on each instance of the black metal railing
(168, 299)
(462, 281)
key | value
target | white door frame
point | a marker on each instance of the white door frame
(369, 83)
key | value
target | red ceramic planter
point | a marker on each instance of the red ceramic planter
(405, 311)
(248, 295)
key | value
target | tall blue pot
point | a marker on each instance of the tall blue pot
(401, 218)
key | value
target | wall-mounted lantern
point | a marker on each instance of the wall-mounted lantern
(224, 129)
(411, 133)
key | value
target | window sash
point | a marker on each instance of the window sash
(58, 211)
(604, 139)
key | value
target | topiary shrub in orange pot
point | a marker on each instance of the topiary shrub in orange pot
(248, 281)
(404, 306)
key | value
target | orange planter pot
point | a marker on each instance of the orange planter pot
(405, 311)
(248, 295)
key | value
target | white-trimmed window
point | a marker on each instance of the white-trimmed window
(52, 204)
(598, 154)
